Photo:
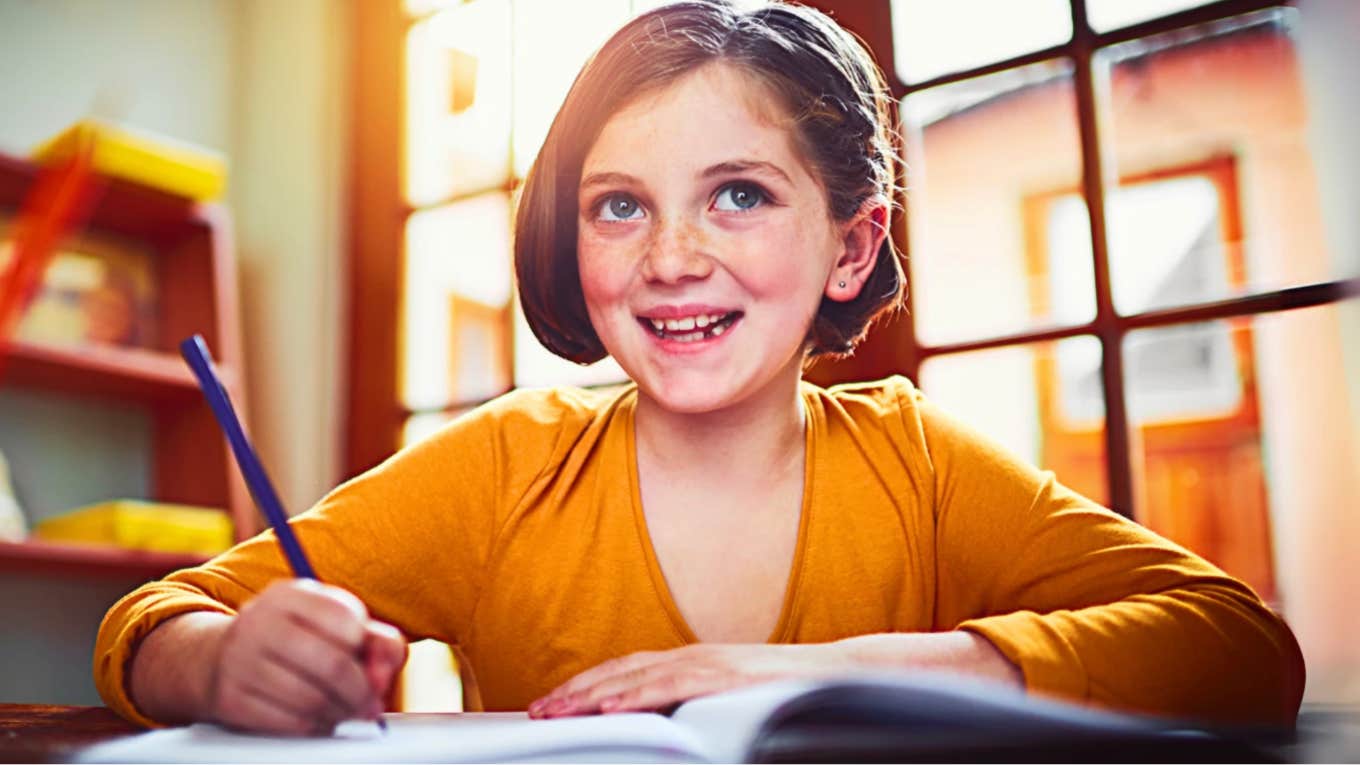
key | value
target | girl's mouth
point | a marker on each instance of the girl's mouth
(691, 329)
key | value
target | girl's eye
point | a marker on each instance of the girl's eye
(619, 208)
(739, 197)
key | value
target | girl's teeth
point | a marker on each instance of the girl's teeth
(680, 329)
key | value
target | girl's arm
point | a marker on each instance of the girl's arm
(379, 537)
(1091, 606)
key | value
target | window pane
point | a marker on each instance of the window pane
(1042, 401)
(429, 680)
(422, 425)
(640, 7)
(933, 38)
(1247, 444)
(536, 366)
(553, 38)
(456, 303)
(989, 254)
(458, 102)
(1169, 238)
(423, 7)
(1104, 15)
(1221, 107)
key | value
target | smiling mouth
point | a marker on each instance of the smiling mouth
(691, 328)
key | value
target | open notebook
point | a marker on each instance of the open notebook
(898, 718)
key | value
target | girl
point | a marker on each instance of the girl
(710, 208)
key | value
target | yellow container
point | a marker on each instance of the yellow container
(138, 525)
(172, 166)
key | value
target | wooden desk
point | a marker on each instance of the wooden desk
(48, 733)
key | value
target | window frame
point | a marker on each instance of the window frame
(1108, 326)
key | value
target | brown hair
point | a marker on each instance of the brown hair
(830, 87)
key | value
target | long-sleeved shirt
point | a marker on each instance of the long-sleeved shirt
(517, 535)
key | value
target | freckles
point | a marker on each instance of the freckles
(603, 269)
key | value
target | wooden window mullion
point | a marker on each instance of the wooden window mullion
(1119, 467)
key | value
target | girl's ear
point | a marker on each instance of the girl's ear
(861, 238)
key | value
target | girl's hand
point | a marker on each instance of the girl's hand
(300, 658)
(651, 680)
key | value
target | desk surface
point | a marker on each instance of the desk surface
(49, 733)
(46, 733)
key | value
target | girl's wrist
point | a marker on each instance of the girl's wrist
(957, 651)
(175, 666)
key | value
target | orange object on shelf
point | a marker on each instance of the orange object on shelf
(59, 201)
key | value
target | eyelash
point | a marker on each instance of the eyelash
(763, 198)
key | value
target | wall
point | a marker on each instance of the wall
(288, 194)
(1328, 60)
(262, 82)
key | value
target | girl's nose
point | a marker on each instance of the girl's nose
(677, 252)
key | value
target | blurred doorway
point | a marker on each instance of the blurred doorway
(1193, 408)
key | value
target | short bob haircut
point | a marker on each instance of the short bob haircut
(831, 89)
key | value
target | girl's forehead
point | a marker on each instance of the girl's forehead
(734, 84)
(717, 108)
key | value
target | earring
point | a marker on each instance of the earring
(841, 285)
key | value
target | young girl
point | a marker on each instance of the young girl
(710, 208)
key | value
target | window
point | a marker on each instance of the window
(1126, 198)
(484, 79)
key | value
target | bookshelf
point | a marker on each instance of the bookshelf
(195, 275)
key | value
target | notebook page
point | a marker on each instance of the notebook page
(472, 737)
(727, 723)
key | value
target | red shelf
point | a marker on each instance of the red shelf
(188, 462)
(35, 556)
(105, 371)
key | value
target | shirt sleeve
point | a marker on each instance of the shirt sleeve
(410, 538)
(1090, 605)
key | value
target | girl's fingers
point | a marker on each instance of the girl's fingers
(663, 690)
(327, 611)
(384, 655)
(296, 692)
(248, 709)
(664, 674)
(593, 676)
(336, 670)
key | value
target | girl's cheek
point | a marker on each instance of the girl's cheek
(602, 269)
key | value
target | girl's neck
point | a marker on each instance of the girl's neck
(761, 435)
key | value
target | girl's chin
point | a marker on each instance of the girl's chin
(689, 398)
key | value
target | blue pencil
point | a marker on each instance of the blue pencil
(195, 352)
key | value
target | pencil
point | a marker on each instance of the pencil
(195, 352)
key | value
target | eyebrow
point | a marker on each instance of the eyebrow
(722, 168)
(743, 166)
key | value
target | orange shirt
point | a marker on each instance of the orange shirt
(517, 534)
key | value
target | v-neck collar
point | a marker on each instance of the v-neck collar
(811, 432)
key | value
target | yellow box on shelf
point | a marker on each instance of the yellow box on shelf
(157, 161)
(139, 525)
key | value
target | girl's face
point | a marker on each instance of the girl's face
(705, 242)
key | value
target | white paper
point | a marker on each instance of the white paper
(471, 737)
(730, 721)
